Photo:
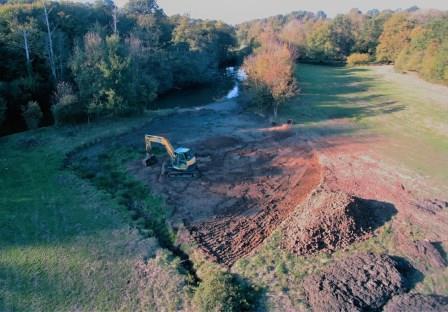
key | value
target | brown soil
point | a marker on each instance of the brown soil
(246, 190)
(424, 254)
(358, 283)
(330, 220)
(417, 303)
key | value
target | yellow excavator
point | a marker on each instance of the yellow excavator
(182, 159)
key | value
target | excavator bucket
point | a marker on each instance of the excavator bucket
(150, 160)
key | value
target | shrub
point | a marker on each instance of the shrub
(66, 108)
(221, 291)
(32, 115)
(357, 59)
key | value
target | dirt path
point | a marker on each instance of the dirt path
(437, 94)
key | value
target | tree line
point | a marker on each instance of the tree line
(67, 62)
(412, 39)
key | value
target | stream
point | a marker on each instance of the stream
(227, 86)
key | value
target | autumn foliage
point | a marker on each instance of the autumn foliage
(270, 72)
(356, 59)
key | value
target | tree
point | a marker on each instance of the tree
(142, 7)
(427, 51)
(321, 47)
(271, 69)
(396, 35)
(342, 36)
(51, 57)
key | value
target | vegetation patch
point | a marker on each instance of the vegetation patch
(222, 291)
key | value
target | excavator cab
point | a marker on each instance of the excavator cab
(183, 159)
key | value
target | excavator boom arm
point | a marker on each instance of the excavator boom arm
(160, 140)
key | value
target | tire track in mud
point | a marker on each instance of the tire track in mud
(226, 239)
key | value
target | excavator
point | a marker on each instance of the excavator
(182, 159)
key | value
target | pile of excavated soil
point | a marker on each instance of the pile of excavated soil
(424, 253)
(271, 200)
(329, 220)
(362, 282)
(417, 303)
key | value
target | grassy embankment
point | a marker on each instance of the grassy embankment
(411, 120)
(65, 244)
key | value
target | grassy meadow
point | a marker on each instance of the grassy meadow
(408, 113)
(64, 244)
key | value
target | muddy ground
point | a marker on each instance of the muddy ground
(325, 190)
(253, 176)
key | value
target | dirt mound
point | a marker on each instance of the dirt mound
(331, 220)
(417, 303)
(358, 283)
(424, 253)
(259, 207)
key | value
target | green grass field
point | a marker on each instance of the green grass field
(64, 245)
(410, 113)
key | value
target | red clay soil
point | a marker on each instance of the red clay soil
(328, 221)
(227, 239)
(247, 189)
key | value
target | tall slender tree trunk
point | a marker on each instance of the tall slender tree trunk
(114, 17)
(50, 45)
(27, 51)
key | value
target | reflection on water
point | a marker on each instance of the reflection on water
(227, 86)
(238, 76)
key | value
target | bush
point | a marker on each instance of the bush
(66, 109)
(32, 115)
(221, 291)
(357, 59)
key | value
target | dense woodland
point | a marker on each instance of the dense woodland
(66, 62)
(78, 61)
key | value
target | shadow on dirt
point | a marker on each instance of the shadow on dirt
(410, 273)
(380, 212)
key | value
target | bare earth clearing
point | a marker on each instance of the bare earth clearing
(325, 191)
